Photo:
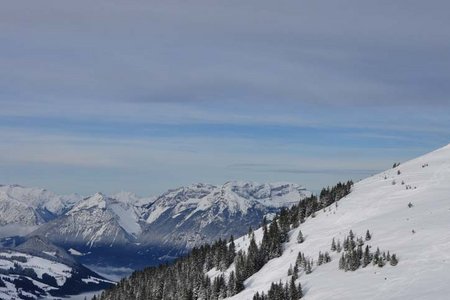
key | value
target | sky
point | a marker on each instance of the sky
(144, 96)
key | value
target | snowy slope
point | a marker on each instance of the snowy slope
(29, 276)
(380, 204)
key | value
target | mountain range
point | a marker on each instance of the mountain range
(124, 230)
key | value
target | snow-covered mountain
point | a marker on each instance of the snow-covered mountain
(98, 220)
(37, 269)
(193, 215)
(22, 208)
(407, 210)
(147, 229)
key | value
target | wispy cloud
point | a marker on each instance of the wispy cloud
(120, 92)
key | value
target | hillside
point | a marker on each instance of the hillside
(379, 204)
(39, 270)
(391, 233)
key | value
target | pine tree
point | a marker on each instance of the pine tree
(342, 262)
(240, 271)
(394, 260)
(300, 291)
(346, 244)
(320, 259)
(293, 291)
(231, 289)
(366, 257)
(368, 235)
(300, 238)
(231, 253)
(338, 247)
(295, 272)
(333, 245)
(298, 261)
(253, 265)
(376, 257)
(308, 269)
(290, 270)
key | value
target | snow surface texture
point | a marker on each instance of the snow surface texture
(379, 204)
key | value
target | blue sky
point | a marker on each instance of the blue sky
(149, 95)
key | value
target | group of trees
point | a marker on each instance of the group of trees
(280, 291)
(354, 257)
(304, 263)
(250, 262)
(186, 277)
(329, 195)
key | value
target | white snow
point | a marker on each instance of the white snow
(154, 214)
(75, 252)
(128, 217)
(376, 204)
(40, 265)
(132, 198)
(38, 197)
(26, 206)
(98, 200)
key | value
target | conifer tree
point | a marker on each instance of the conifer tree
(295, 272)
(338, 247)
(346, 244)
(290, 270)
(231, 253)
(394, 260)
(333, 245)
(366, 257)
(293, 291)
(300, 238)
(300, 291)
(231, 288)
(376, 257)
(342, 262)
(308, 268)
(320, 259)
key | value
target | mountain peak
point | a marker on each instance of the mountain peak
(98, 200)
